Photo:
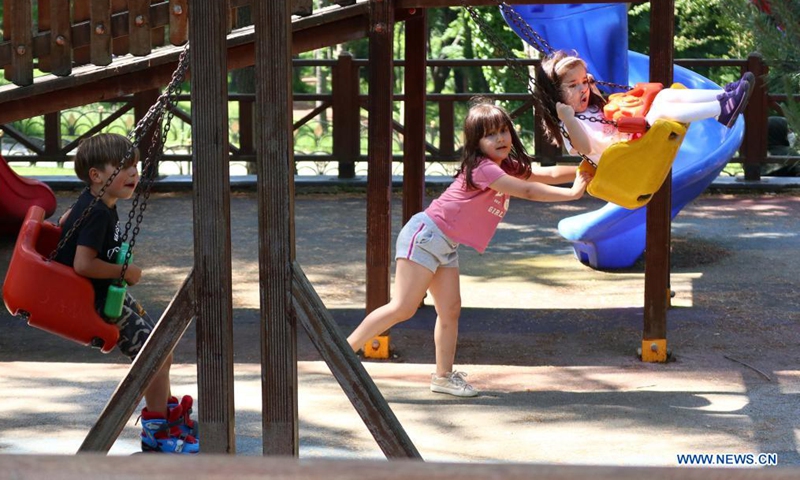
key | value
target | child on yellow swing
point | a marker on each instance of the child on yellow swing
(579, 105)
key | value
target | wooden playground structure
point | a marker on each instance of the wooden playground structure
(80, 53)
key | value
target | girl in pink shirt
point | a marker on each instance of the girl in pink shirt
(494, 167)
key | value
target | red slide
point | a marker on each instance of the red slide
(17, 195)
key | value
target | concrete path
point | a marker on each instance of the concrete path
(549, 342)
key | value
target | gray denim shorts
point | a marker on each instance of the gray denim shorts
(422, 242)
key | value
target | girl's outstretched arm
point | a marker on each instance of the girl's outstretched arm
(541, 192)
(557, 175)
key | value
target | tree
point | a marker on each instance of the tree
(776, 28)
(703, 29)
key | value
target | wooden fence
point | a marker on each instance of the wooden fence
(63, 34)
(345, 103)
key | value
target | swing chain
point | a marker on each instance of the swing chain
(144, 124)
(88, 209)
(534, 39)
(516, 67)
(595, 119)
(166, 101)
(539, 43)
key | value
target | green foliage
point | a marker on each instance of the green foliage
(777, 38)
(703, 29)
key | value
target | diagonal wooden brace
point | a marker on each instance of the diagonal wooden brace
(348, 370)
(163, 339)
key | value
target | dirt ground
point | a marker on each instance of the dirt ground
(552, 341)
(526, 300)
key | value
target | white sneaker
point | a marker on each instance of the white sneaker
(452, 383)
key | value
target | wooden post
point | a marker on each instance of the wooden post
(139, 42)
(52, 134)
(21, 24)
(246, 132)
(414, 121)
(657, 268)
(60, 38)
(446, 128)
(178, 26)
(142, 101)
(756, 124)
(212, 229)
(100, 44)
(43, 25)
(275, 167)
(379, 178)
(346, 115)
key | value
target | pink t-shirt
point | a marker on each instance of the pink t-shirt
(471, 216)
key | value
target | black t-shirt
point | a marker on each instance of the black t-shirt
(98, 231)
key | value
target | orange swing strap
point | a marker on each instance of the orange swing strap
(628, 109)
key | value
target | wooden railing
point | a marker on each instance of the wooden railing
(344, 103)
(61, 34)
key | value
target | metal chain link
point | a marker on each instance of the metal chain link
(165, 102)
(513, 63)
(539, 43)
(145, 124)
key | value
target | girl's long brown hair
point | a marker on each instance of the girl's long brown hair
(549, 76)
(484, 118)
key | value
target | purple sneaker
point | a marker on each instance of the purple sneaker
(748, 76)
(733, 103)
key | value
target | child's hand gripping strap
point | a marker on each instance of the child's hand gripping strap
(117, 291)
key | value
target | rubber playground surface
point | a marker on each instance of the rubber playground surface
(550, 343)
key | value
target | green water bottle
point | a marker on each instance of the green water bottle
(116, 291)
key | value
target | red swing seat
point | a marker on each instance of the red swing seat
(50, 295)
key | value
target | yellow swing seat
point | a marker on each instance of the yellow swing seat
(630, 173)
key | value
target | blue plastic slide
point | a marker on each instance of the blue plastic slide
(614, 237)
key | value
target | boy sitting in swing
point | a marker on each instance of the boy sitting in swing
(91, 250)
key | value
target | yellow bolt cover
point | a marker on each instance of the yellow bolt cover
(378, 348)
(654, 351)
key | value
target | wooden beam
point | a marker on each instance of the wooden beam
(348, 371)
(161, 342)
(346, 115)
(89, 84)
(275, 172)
(139, 42)
(212, 226)
(60, 38)
(178, 22)
(221, 467)
(379, 180)
(414, 133)
(73, 92)
(20, 24)
(755, 145)
(100, 33)
(657, 243)
(477, 3)
(82, 30)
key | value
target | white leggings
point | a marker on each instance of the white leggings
(684, 105)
